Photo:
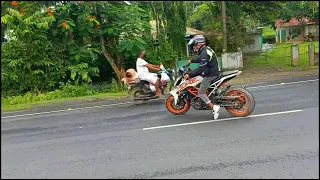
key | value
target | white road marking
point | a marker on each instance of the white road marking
(117, 104)
(283, 84)
(107, 105)
(69, 109)
(226, 119)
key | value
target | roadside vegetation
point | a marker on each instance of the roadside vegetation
(66, 93)
(60, 50)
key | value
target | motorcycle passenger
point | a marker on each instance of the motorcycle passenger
(143, 68)
(208, 66)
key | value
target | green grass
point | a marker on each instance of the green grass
(289, 44)
(280, 56)
(44, 103)
(268, 31)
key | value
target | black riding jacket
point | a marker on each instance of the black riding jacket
(208, 64)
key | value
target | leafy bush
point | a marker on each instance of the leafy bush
(215, 42)
(107, 87)
(67, 90)
(36, 59)
(309, 37)
(76, 91)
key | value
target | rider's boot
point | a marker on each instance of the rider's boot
(215, 111)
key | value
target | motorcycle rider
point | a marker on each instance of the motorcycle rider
(143, 68)
(208, 66)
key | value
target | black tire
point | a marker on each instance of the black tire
(173, 110)
(135, 92)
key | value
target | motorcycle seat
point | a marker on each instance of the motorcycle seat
(226, 73)
(144, 82)
(216, 79)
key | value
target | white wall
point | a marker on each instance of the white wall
(257, 43)
(232, 60)
(311, 29)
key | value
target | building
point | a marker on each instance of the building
(295, 30)
(254, 40)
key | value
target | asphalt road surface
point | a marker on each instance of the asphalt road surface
(279, 140)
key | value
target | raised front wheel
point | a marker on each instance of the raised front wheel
(181, 107)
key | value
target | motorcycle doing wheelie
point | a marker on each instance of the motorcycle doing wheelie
(140, 90)
(237, 101)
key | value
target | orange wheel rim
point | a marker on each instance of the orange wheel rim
(244, 99)
(170, 104)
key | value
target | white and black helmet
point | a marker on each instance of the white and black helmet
(195, 40)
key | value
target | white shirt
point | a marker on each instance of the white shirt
(141, 67)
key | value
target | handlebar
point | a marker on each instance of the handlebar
(161, 66)
(186, 65)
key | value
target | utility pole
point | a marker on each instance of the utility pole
(223, 8)
(186, 4)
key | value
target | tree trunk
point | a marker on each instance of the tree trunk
(157, 22)
(70, 35)
(164, 21)
(111, 61)
(121, 68)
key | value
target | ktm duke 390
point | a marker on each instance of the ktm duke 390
(237, 101)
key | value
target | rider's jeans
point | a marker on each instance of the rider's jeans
(206, 82)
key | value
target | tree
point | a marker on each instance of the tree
(300, 10)
(203, 19)
(58, 41)
(170, 25)
(27, 59)
(119, 31)
(176, 25)
(265, 12)
(242, 16)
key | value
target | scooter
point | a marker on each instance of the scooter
(141, 91)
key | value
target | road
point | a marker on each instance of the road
(146, 141)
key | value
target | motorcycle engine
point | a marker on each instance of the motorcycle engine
(198, 104)
(145, 90)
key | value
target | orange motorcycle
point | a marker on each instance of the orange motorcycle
(237, 101)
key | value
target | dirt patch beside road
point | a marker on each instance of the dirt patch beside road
(249, 76)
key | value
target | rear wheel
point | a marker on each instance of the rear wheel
(180, 108)
(136, 92)
(242, 106)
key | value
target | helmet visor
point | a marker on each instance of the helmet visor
(191, 42)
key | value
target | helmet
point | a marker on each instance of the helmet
(196, 42)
